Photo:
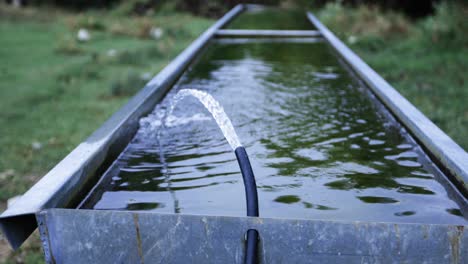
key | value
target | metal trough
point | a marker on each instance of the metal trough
(70, 235)
(84, 236)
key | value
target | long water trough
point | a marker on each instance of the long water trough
(347, 170)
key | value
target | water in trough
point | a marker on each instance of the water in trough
(320, 145)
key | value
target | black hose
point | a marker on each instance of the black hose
(251, 248)
(248, 177)
(249, 181)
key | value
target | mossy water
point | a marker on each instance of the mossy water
(321, 147)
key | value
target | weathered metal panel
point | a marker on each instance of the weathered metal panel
(441, 147)
(87, 236)
(61, 185)
(73, 238)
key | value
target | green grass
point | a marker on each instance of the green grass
(426, 61)
(55, 99)
(55, 91)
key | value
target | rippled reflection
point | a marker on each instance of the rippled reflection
(319, 146)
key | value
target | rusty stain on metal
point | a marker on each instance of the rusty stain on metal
(455, 236)
(45, 239)
(425, 232)
(138, 237)
(398, 239)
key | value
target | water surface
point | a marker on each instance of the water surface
(320, 147)
(271, 18)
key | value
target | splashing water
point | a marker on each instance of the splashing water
(218, 114)
(213, 106)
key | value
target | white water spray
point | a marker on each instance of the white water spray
(218, 114)
(213, 107)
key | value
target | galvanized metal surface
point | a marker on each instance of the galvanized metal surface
(61, 185)
(87, 236)
(440, 147)
(267, 33)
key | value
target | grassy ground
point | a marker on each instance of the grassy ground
(426, 61)
(55, 91)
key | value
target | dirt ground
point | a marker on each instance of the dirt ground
(4, 249)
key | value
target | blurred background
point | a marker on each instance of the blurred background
(66, 66)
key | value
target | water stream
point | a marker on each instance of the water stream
(217, 113)
(215, 109)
